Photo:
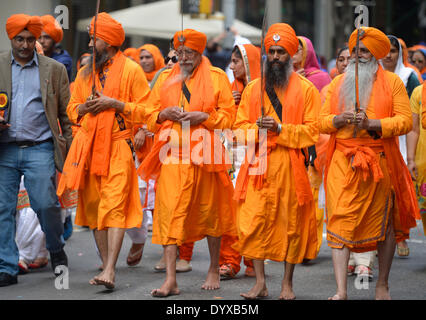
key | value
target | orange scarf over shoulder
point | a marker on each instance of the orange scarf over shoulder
(98, 138)
(293, 108)
(202, 99)
(398, 171)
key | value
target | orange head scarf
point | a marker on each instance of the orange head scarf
(283, 35)
(375, 41)
(18, 22)
(132, 53)
(158, 59)
(192, 39)
(251, 60)
(52, 28)
(108, 29)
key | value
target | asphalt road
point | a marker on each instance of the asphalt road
(314, 281)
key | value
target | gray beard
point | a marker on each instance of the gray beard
(101, 60)
(366, 75)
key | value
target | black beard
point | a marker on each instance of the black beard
(101, 59)
(277, 73)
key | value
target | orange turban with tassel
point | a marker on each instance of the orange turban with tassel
(190, 38)
(283, 35)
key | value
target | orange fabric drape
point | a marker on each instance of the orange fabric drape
(400, 177)
(97, 141)
(292, 113)
(202, 99)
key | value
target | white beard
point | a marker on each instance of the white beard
(366, 75)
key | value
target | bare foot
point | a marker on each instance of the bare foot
(106, 278)
(258, 291)
(382, 292)
(339, 296)
(168, 288)
(287, 293)
(212, 281)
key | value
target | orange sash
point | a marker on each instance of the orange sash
(97, 140)
(202, 99)
(293, 109)
(398, 171)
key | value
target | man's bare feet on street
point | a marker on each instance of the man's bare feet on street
(105, 278)
(258, 291)
(287, 292)
(213, 280)
(339, 296)
(167, 289)
(382, 292)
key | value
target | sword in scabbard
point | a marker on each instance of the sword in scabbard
(94, 51)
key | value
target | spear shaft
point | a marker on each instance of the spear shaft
(94, 50)
(262, 65)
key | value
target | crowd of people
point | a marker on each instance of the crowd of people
(255, 151)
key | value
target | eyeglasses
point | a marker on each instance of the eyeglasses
(188, 53)
(174, 59)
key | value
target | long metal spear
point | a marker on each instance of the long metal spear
(262, 65)
(94, 50)
(357, 103)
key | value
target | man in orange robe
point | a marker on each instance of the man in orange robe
(276, 214)
(370, 198)
(100, 163)
(151, 60)
(194, 195)
(245, 64)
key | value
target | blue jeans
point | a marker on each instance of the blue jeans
(37, 165)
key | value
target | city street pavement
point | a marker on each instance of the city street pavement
(314, 281)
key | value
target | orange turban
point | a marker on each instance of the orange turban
(192, 39)
(375, 41)
(132, 53)
(18, 22)
(283, 35)
(52, 28)
(108, 29)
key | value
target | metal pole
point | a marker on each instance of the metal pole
(229, 12)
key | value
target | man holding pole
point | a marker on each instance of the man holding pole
(370, 198)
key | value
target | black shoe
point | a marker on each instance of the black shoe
(7, 279)
(58, 259)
